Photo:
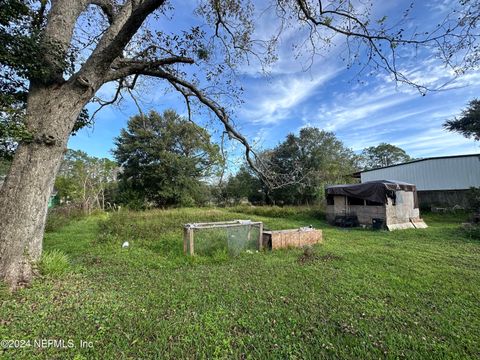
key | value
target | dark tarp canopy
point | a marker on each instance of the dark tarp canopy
(377, 191)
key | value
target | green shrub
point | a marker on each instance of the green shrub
(54, 263)
(281, 212)
(472, 232)
(60, 216)
(474, 199)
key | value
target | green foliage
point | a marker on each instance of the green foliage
(19, 63)
(21, 24)
(164, 160)
(316, 158)
(383, 155)
(83, 121)
(12, 131)
(474, 199)
(244, 185)
(468, 124)
(54, 263)
(87, 181)
(292, 212)
(472, 231)
(60, 216)
(362, 294)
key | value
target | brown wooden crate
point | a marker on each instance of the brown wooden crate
(292, 238)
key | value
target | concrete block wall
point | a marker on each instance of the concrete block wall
(400, 213)
(403, 210)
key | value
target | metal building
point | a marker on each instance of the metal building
(440, 181)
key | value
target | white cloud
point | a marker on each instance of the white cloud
(437, 141)
(273, 101)
(357, 108)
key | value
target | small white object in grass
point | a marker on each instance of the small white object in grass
(249, 252)
(306, 228)
(125, 245)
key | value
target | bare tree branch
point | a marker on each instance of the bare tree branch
(190, 89)
(109, 102)
(110, 47)
(349, 24)
(108, 7)
(124, 67)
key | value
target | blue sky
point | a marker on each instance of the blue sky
(362, 110)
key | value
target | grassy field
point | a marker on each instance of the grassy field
(360, 295)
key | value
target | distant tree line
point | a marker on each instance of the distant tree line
(86, 181)
(383, 155)
(166, 160)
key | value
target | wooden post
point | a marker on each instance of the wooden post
(185, 239)
(260, 237)
(188, 240)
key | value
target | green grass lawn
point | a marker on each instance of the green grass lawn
(404, 294)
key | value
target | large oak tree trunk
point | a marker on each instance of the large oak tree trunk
(51, 114)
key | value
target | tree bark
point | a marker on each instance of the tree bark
(51, 114)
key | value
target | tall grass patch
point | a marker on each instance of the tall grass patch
(317, 211)
(158, 230)
(61, 216)
(54, 263)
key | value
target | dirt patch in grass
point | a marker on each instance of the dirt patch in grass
(309, 255)
(330, 257)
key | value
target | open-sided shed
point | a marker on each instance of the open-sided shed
(382, 203)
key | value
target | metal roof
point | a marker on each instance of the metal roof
(438, 173)
(419, 160)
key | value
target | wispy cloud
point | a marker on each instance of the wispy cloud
(437, 141)
(325, 95)
(275, 100)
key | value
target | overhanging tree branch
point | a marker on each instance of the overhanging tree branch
(129, 19)
(108, 8)
(346, 22)
(125, 67)
(188, 90)
(211, 104)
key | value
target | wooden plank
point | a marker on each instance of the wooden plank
(215, 223)
(294, 238)
(419, 223)
(216, 226)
